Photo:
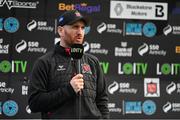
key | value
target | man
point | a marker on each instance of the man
(56, 90)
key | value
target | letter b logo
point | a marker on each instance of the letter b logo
(159, 11)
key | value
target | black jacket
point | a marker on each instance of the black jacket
(50, 91)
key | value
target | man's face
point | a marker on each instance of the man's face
(72, 34)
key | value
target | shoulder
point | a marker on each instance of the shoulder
(91, 58)
(44, 59)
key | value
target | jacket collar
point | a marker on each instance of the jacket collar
(61, 50)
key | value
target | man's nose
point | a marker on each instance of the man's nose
(80, 31)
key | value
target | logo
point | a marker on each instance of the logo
(132, 107)
(149, 29)
(28, 110)
(32, 25)
(10, 108)
(87, 30)
(21, 46)
(152, 49)
(4, 49)
(24, 90)
(16, 4)
(168, 29)
(109, 28)
(32, 46)
(104, 66)
(4, 89)
(83, 7)
(101, 28)
(151, 87)
(39, 25)
(177, 49)
(112, 108)
(124, 51)
(94, 48)
(149, 107)
(15, 66)
(86, 46)
(118, 9)
(133, 29)
(61, 68)
(168, 69)
(167, 107)
(143, 49)
(171, 88)
(86, 68)
(11, 25)
(175, 30)
(132, 68)
(138, 10)
(113, 87)
(159, 11)
(121, 87)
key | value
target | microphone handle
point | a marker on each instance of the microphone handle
(78, 66)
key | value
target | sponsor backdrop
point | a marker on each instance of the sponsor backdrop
(137, 43)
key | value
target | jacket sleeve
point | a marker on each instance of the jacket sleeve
(40, 99)
(102, 97)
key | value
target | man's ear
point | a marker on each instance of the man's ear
(60, 30)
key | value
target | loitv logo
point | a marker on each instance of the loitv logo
(168, 69)
(14, 66)
(132, 68)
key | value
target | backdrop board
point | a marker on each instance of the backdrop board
(136, 41)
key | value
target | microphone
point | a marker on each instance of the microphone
(77, 51)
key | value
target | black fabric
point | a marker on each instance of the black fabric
(50, 91)
(70, 17)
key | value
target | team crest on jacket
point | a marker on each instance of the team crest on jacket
(86, 68)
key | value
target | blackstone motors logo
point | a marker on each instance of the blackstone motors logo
(83, 7)
(4, 49)
(17, 4)
(148, 107)
(151, 87)
(123, 51)
(109, 28)
(121, 88)
(9, 108)
(39, 25)
(138, 10)
(14, 66)
(136, 29)
(31, 46)
(171, 107)
(10, 24)
(113, 108)
(94, 48)
(152, 49)
(5, 89)
(173, 88)
(175, 30)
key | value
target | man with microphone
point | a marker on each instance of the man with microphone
(67, 83)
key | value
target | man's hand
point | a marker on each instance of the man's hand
(77, 82)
